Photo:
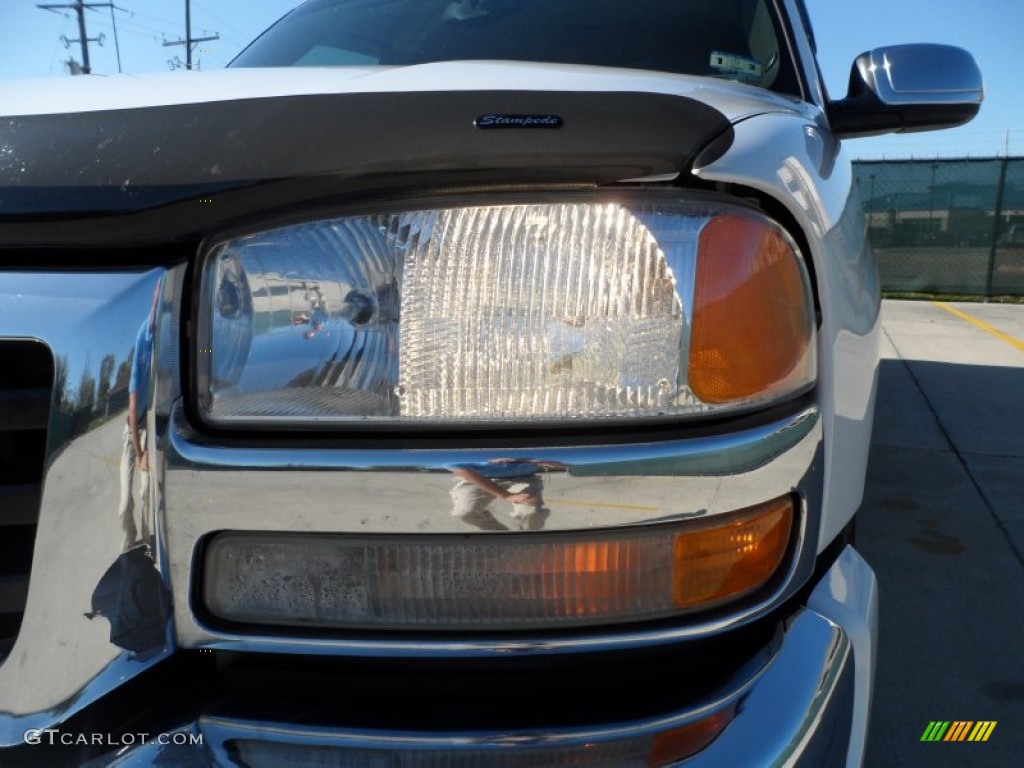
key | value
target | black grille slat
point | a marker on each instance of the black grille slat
(19, 505)
(24, 409)
(26, 381)
(13, 591)
(17, 550)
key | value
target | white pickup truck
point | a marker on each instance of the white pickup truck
(447, 382)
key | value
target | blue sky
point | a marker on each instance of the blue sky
(993, 30)
(30, 46)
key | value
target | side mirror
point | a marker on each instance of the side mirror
(905, 88)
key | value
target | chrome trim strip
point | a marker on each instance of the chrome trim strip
(720, 455)
(657, 178)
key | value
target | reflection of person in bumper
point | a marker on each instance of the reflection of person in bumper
(511, 480)
(133, 451)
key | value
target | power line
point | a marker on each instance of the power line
(63, 30)
(234, 40)
(117, 43)
(138, 24)
(236, 33)
(125, 28)
(166, 22)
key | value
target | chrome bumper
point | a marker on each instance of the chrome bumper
(797, 708)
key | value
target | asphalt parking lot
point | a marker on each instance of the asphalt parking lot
(943, 526)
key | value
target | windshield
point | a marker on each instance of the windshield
(734, 39)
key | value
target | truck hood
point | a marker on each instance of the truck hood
(128, 143)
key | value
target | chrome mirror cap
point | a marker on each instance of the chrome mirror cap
(907, 75)
(907, 88)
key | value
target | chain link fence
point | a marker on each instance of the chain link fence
(946, 226)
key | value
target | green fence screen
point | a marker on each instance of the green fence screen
(946, 226)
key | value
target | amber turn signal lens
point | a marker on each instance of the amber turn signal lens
(733, 558)
(672, 747)
(752, 320)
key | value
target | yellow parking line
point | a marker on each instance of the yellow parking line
(116, 463)
(597, 505)
(1017, 343)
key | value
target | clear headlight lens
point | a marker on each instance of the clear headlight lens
(533, 312)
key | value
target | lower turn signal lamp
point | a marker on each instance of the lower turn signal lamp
(646, 747)
(494, 581)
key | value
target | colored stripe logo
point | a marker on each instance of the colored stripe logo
(959, 730)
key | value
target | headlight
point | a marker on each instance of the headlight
(525, 313)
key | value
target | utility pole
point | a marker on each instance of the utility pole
(79, 7)
(190, 41)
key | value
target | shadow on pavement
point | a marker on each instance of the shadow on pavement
(942, 509)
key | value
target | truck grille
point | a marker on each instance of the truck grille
(26, 384)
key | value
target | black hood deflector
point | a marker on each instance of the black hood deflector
(200, 158)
